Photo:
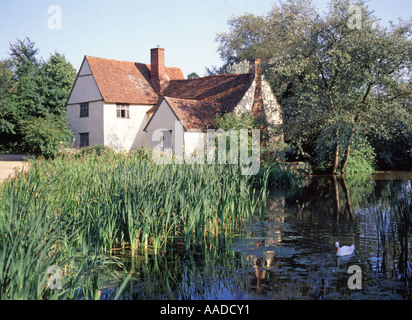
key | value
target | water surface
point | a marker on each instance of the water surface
(290, 254)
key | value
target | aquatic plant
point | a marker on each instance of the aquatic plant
(394, 222)
(91, 204)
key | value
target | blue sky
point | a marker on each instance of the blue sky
(127, 29)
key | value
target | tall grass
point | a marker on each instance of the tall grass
(394, 222)
(93, 204)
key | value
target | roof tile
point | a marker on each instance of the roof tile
(223, 89)
(126, 82)
(195, 114)
(195, 101)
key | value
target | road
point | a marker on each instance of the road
(8, 163)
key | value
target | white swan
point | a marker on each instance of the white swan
(345, 250)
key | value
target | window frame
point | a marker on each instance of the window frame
(84, 110)
(169, 135)
(82, 136)
(122, 111)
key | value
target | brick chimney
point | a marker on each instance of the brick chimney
(255, 67)
(158, 70)
(256, 73)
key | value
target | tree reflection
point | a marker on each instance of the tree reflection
(290, 253)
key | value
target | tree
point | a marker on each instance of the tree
(45, 135)
(192, 75)
(328, 76)
(32, 92)
(23, 57)
(240, 67)
(6, 88)
(56, 78)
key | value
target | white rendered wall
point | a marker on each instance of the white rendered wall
(92, 124)
(245, 105)
(164, 119)
(125, 134)
(271, 106)
(85, 88)
(195, 142)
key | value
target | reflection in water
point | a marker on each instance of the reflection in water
(291, 254)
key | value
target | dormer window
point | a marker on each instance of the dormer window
(122, 111)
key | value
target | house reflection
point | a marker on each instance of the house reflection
(273, 237)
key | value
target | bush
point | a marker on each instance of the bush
(44, 136)
(324, 152)
(97, 150)
(271, 147)
(362, 157)
(393, 145)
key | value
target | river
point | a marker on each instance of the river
(290, 254)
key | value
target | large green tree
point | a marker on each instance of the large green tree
(330, 75)
(57, 76)
(31, 90)
(7, 83)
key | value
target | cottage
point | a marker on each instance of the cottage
(122, 104)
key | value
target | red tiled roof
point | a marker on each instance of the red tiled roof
(223, 89)
(197, 101)
(126, 82)
(194, 101)
(195, 114)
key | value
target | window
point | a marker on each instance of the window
(84, 139)
(122, 111)
(167, 139)
(84, 110)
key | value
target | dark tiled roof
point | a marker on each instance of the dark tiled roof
(194, 101)
(226, 90)
(195, 114)
(126, 82)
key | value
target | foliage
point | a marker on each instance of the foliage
(70, 210)
(192, 75)
(270, 154)
(23, 57)
(237, 121)
(45, 135)
(269, 148)
(6, 88)
(240, 67)
(391, 136)
(326, 73)
(96, 150)
(362, 158)
(31, 89)
(57, 77)
(125, 198)
(327, 141)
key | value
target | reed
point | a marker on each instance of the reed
(99, 203)
(394, 224)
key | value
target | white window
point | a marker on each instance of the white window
(122, 111)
